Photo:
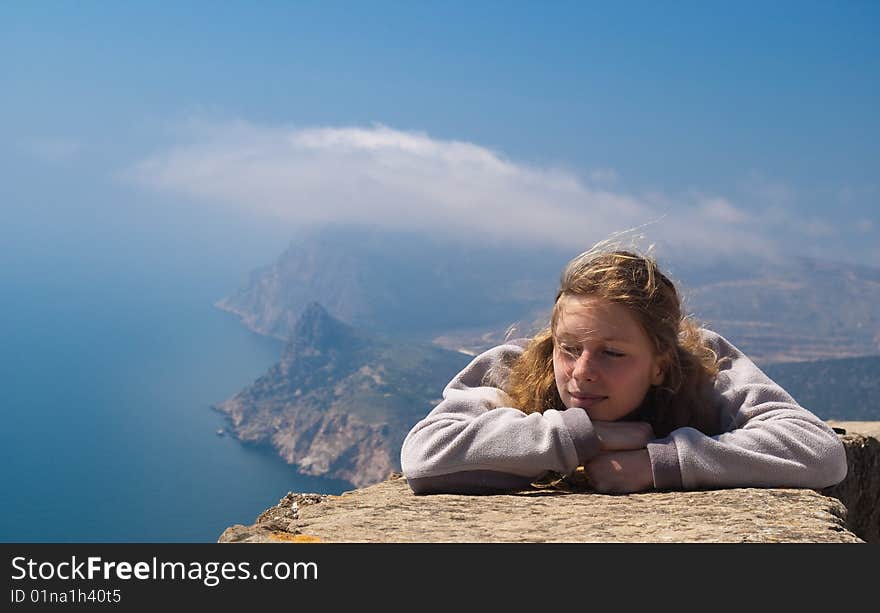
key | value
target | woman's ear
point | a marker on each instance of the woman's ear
(658, 370)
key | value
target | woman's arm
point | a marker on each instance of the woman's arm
(474, 441)
(770, 441)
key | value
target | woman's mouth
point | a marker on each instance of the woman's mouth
(586, 401)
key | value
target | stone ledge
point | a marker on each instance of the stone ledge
(860, 491)
(389, 512)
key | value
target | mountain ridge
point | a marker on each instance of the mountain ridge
(465, 297)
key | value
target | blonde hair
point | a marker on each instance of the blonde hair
(634, 281)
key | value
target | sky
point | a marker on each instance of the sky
(217, 129)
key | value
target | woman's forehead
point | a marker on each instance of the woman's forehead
(582, 318)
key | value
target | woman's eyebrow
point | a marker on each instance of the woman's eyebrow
(606, 339)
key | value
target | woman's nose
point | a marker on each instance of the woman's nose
(583, 366)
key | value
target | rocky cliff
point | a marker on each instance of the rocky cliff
(339, 403)
(390, 512)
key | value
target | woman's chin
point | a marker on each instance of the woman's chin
(599, 415)
(603, 413)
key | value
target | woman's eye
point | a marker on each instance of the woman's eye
(613, 354)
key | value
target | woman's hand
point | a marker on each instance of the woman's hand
(623, 435)
(620, 472)
(623, 465)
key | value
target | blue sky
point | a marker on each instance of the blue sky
(739, 125)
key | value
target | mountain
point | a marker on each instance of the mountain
(465, 297)
(397, 284)
(846, 389)
(784, 311)
(797, 310)
(340, 402)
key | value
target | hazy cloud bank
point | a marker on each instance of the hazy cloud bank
(409, 180)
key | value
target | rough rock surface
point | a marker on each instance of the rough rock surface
(390, 512)
(860, 491)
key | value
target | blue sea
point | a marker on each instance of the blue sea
(110, 358)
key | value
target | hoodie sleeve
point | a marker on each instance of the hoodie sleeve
(474, 441)
(768, 440)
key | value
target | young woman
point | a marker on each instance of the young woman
(622, 384)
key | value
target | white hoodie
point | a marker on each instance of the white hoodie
(474, 441)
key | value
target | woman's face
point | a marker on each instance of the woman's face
(603, 360)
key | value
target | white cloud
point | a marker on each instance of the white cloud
(395, 179)
(719, 209)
